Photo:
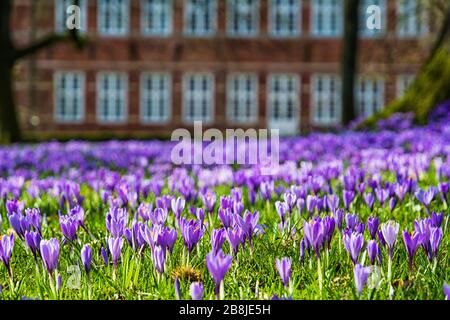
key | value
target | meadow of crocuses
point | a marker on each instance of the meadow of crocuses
(352, 215)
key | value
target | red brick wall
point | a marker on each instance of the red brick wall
(135, 53)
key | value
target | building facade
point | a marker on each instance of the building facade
(151, 66)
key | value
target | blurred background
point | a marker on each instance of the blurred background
(142, 68)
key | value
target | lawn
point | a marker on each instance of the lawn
(351, 215)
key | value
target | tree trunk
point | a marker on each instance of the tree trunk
(8, 116)
(349, 59)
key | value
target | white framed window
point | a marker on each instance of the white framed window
(198, 97)
(155, 97)
(61, 15)
(363, 27)
(412, 19)
(369, 96)
(404, 81)
(326, 99)
(113, 17)
(200, 17)
(112, 98)
(242, 17)
(327, 18)
(156, 17)
(284, 18)
(283, 97)
(242, 98)
(69, 96)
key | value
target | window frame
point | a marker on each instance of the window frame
(297, 32)
(382, 92)
(144, 15)
(113, 33)
(142, 105)
(99, 118)
(82, 99)
(328, 121)
(254, 111)
(340, 22)
(401, 80)
(211, 80)
(256, 6)
(196, 34)
(419, 30)
(297, 106)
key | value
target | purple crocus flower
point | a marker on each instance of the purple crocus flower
(6, 249)
(159, 216)
(353, 243)
(159, 258)
(177, 206)
(115, 248)
(218, 265)
(68, 226)
(435, 240)
(33, 241)
(266, 189)
(373, 251)
(34, 217)
(444, 188)
(238, 207)
(339, 218)
(436, 219)
(209, 200)
(235, 237)
(382, 195)
(58, 282)
(86, 257)
(314, 234)
(411, 244)
(392, 204)
(19, 223)
(381, 238)
(361, 274)
(369, 199)
(425, 197)
(281, 208)
(300, 205)
(104, 255)
(196, 290)
(390, 232)
(200, 215)
(116, 221)
(192, 231)
(290, 199)
(329, 226)
(351, 221)
(50, 254)
(311, 203)
(145, 210)
(226, 216)
(248, 224)
(13, 206)
(348, 197)
(217, 239)
(167, 238)
(332, 202)
(447, 291)
(372, 225)
(284, 269)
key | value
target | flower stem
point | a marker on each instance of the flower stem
(319, 272)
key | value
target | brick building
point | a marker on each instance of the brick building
(155, 65)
